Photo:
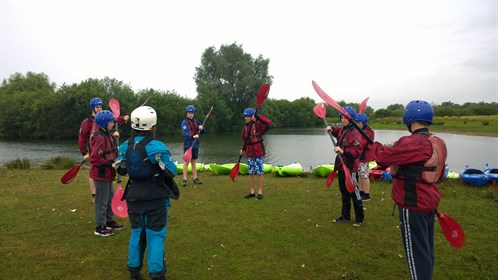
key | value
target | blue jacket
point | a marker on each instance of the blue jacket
(189, 132)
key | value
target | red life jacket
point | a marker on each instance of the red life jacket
(433, 169)
(193, 127)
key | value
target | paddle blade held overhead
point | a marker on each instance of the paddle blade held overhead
(363, 105)
(119, 207)
(320, 110)
(71, 173)
(451, 230)
(115, 108)
(263, 92)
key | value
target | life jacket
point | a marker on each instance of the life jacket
(110, 153)
(193, 127)
(432, 169)
(147, 181)
(253, 134)
(138, 164)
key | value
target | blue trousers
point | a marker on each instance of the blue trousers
(148, 232)
(417, 231)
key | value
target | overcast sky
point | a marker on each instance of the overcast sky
(391, 51)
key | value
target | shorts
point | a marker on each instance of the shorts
(256, 165)
(363, 170)
(195, 152)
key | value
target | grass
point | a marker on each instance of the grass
(214, 233)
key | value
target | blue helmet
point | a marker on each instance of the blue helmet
(95, 102)
(190, 109)
(103, 118)
(350, 110)
(417, 110)
(361, 117)
(249, 112)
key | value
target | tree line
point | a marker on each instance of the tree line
(32, 107)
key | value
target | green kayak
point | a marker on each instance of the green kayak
(221, 169)
(323, 170)
(198, 166)
(294, 169)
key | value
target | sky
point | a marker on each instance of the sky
(390, 51)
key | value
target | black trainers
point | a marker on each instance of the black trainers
(103, 231)
(260, 196)
(341, 219)
(365, 197)
(113, 225)
(249, 195)
(197, 181)
(184, 182)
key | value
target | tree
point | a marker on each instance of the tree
(229, 79)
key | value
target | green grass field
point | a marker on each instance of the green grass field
(214, 233)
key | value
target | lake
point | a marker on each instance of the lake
(309, 147)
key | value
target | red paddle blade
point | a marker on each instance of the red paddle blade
(187, 157)
(330, 179)
(234, 173)
(119, 207)
(451, 230)
(320, 110)
(71, 173)
(330, 101)
(350, 186)
(363, 105)
(262, 94)
(115, 107)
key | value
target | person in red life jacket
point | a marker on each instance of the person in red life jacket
(363, 173)
(252, 135)
(102, 157)
(350, 145)
(87, 127)
(417, 164)
(191, 127)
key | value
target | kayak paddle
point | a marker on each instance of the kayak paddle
(451, 229)
(260, 98)
(320, 110)
(71, 173)
(338, 107)
(119, 207)
(363, 105)
(187, 157)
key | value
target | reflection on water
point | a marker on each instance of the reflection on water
(309, 147)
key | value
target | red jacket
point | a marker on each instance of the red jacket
(352, 143)
(102, 156)
(409, 190)
(86, 129)
(253, 132)
(370, 133)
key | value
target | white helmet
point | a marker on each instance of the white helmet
(143, 118)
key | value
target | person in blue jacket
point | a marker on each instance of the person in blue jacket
(191, 128)
(151, 169)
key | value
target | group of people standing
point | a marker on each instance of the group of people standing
(416, 196)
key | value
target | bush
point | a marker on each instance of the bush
(18, 164)
(485, 123)
(58, 163)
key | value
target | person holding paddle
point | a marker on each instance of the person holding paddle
(151, 169)
(102, 157)
(87, 127)
(191, 127)
(363, 172)
(252, 135)
(417, 163)
(349, 147)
